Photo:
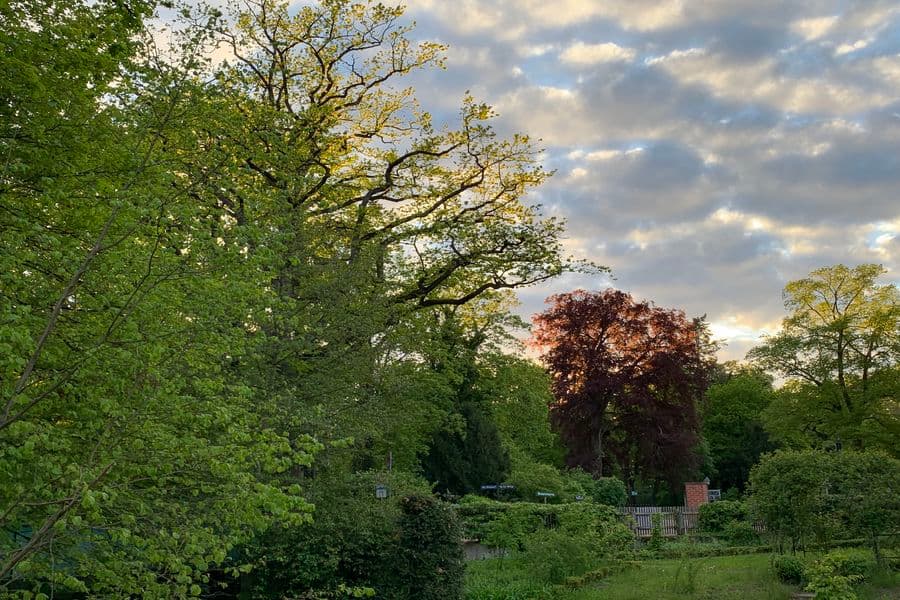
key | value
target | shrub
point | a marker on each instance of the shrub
(531, 477)
(715, 516)
(360, 541)
(507, 524)
(812, 495)
(833, 576)
(655, 543)
(551, 555)
(850, 562)
(429, 558)
(788, 568)
(739, 533)
(610, 491)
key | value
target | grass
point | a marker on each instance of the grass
(748, 577)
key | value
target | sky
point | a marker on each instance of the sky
(707, 151)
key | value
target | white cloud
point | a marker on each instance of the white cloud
(848, 48)
(813, 28)
(580, 53)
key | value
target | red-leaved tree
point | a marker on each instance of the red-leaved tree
(627, 379)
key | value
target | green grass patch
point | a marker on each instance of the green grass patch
(749, 577)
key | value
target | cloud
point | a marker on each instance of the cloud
(813, 27)
(708, 152)
(580, 53)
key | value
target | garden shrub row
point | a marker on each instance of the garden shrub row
(403, 547)
(831, 577)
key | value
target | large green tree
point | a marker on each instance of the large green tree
(839, 348)
(732, 425)
(204, 266)
(130, 458)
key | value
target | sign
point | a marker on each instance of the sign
(714, 495)
(545, 494)
(381, 491)
(579, 498)
(496, 486)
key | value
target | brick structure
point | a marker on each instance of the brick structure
(696, 493)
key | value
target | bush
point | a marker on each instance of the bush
(788, 568)
(715, 516)
(850, 562)
(833, 576)
(811, 495)
(507, 524)
(552, 555)
(360, 541)
(610, 491)
(429, 559)
(739, 533)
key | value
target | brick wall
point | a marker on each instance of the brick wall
(696, 493)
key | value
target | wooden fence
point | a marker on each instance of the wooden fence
(673, 520)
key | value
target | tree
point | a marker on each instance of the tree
(519, 395)
(467, 451)
(121, 428)
(202, 269)
(839, 348)
(733, 428)
(370, 220)
(811, 495)
(627, 379)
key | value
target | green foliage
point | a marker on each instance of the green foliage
(788, 568)
(610, 491)
(850, 562)
(484, 581)
(786, 494)
(510, 528)
(732, 426)
(552, 555)
(604, 490)
(740, 533)
(834, 576)
(684, 580)
(460, 461)
(746, 577)
(529, 477)
(401, 546)
(811, 495)
(520, 398)
(206, 284)
(430, 557)
(656, 541)
(839, 349)
(509, 524)
(713, 517)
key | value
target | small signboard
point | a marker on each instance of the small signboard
(714, 495)
(579, 498)
(381, 491)
(545, 494)
(497, 486)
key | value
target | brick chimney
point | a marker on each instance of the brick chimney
(696, 493)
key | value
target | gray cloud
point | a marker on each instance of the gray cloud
(727, 148)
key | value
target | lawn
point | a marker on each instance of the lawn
(748, 577)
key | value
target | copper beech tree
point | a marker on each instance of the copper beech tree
(627, 378)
